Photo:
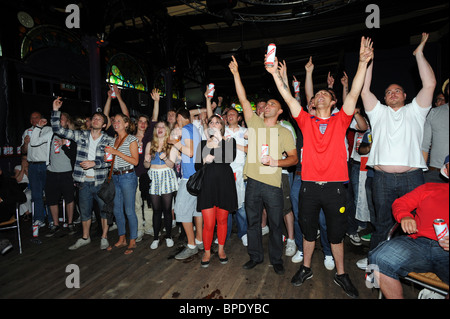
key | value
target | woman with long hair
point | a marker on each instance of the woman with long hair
(218, 194)
(125, 150)
(160, 158)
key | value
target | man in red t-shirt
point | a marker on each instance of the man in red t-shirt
(324, 169)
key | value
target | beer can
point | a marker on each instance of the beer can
(211, 90)
(29, 132)
(35, 230)
(113, 95)
(67, 143)
(57, 147)
(19, 150)
(271, 51)
(296, 86)
(265, 150)
(140, 148)
(109, 157)
(441, 228)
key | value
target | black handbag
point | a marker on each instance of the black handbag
(194, 183)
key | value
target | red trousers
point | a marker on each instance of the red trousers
(210, 216)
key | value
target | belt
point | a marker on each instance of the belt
(37, 162)
(433, 168)
(123, 172)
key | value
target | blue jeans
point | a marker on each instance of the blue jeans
(402, 255)
(387, 187)
(87, 193)
(125, 186)
(37, 174)
(257, 195)
(298, 236)
(241, 222)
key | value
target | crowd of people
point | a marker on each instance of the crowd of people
(328, 169)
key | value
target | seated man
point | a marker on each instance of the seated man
(420, 251)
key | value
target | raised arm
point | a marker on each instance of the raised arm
(283, 88)
(344, 82)
(240, 90)
(369, 99)
(425, 96)
(309, 85)
(155, 96)
(365, 55)
(107, 108)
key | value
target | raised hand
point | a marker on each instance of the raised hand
(155, 94)
(309, 66)
(271, 69)
(344, 80)
(57, 103)
(330, 80)
(422, 43)
(366, 50)
(234, 68)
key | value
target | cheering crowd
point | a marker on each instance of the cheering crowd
(297, 176)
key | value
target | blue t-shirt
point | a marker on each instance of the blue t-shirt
(189, 131)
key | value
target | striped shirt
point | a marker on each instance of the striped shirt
(120, 163)
(82, 139)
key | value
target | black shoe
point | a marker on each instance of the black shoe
(204, 264)
(279, 269)
(223, 261)
(53, 231)
(301, 275)
(250, 264)
(346, 284)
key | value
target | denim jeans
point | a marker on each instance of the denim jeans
(353, 191)
(402, 255)
(257, 195)
(387, 187)
(37, 174)
(241, 222)
(298, 236)
(87, 193)
(124, 200)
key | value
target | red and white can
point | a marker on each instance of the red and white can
(140, 148)
(113, 94)
(441, 228)
(67, 143)
(29, 132)
(211, 89)
(270, 57)
(296, 86)
(35, 230)
(264, 150)
(109, 157)
(57, 147)
(18, 150)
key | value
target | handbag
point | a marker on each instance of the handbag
(194, 183)
(107, 192)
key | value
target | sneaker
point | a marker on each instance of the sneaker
(71, 228)
(200, 244)
(80, 243)
(355, 239)
(362, 263)
(328, 262)
(301, 275)
(298, 257)
(53, 231)
(154, 244)
(104, 243)
(149, 232)
(5, 246)
(265, 230)
(112, 227)
(39, 223)
(169, 242)
(186, 253)
(346, 284)
(367, 237)
(140, 235)
(244, 240)
(291, 248)
(428, 294)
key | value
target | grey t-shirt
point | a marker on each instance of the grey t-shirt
(59, 162)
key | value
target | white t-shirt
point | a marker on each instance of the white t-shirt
(92, 151)
(397, 135)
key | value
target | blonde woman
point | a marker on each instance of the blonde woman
(125, 181)
(160, 158)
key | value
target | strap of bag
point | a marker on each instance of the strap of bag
(114, 158)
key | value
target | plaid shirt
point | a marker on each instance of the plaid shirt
(101, 168)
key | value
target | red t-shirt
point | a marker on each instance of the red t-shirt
(324, 156)
(431, 201)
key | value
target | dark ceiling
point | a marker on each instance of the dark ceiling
(199, 37)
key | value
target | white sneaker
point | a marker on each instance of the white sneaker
(328, 262)
(362, 263)
(38, 223)
(112, 227)
(291, 248)
(154, 244)
(428, 294)
(149, 232)
(355, 239)
(265, 230)
(80, 243)
(104, 243)
(298, 257)
(140, 235)
(244, 240)
(169, 242)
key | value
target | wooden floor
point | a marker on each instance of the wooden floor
(40, 272)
